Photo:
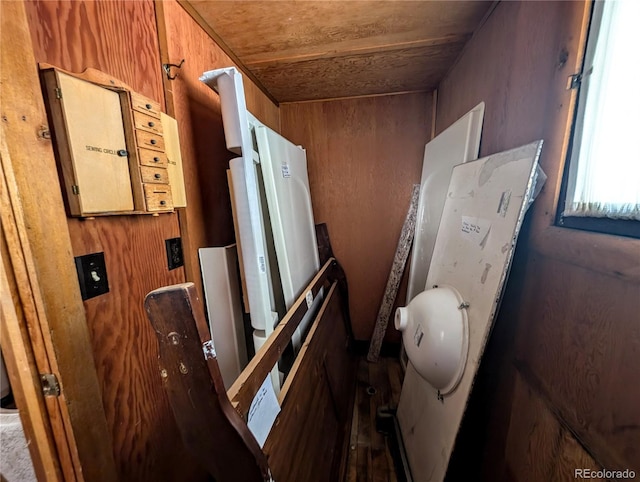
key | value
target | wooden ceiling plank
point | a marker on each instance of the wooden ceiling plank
(399, 70)
(223, 45)
(255, 27)
(343, 50)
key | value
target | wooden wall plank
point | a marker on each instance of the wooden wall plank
(576, 320)
(120, 38)
(49, 264)
(538, 446)
(207, 219)
(363, 157)
(599, 339)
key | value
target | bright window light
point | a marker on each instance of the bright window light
(604, 175)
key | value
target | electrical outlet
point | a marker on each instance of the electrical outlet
(92, 275)
(175, 258)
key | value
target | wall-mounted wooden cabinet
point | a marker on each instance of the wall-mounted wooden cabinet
(111, 146)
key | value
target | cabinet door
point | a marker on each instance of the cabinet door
(89, 130)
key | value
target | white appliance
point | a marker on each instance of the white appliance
(459, 143)
(219, 268)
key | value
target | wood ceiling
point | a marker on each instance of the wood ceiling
(306, 50)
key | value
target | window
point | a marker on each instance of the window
(602, 185)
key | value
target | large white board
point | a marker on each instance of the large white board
(222, 295)
(284, 171)
(459, 143)
(482, 215)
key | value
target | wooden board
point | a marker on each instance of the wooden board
(571, 289)
(319, 50)
(145, 441)
(363, 154)
(47, 281)
(25, 359)
(174, 160)
(538, 446)
(598, 337)
(393, 282)
(313, 422)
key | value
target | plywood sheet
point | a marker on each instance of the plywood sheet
(319, 49)
(363, 154)
(482, 215)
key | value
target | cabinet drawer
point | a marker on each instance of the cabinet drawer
(142, 104)
(155, 175)
(147, 157)
(158, 197)
(149, 140)
(147, 122)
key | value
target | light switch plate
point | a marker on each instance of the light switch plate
(92, 275)
(175, 258)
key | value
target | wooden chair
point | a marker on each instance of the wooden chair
(309, 439)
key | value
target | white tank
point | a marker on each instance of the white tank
(435, 332)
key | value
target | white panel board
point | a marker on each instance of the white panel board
(286, 182)
(222, 295)
(459, 143)
(284, 170)
(483, 212)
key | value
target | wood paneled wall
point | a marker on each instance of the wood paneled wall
(120, 38)
(207, 219)
(557, 389)
(363, 157)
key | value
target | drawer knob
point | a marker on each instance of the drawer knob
(148, 106)
(157, 176)
(153, 142)
(123, 153)
(151, 124)
(156, 159)
(162, 203)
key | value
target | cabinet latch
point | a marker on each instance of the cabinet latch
(58, 93)
(50, 385)
(75, 189)
(574, 81)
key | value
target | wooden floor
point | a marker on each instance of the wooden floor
(378, 384)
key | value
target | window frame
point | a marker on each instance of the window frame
(617, 227)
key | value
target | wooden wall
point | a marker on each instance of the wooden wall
(122, 39)
(558, 388)
(207, 220)
(363, 157)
